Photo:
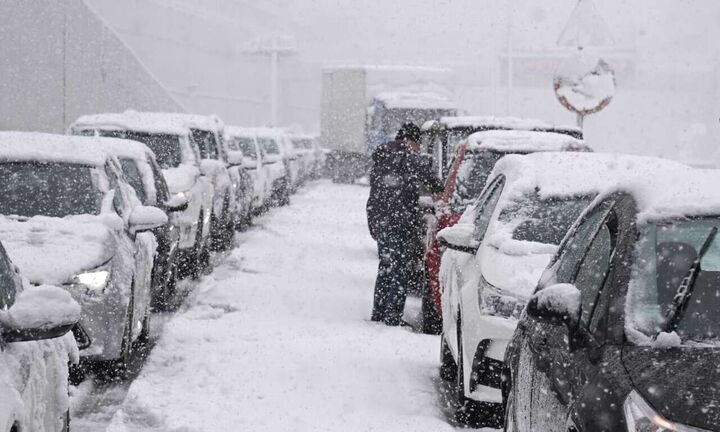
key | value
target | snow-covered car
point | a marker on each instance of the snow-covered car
(37, 347)
(69, 219)
(243, 181)
(304, 148)
(622, 331)
(292, 159)
(474, 160)
(179, 158)
(244, 150)
(442, 137)
(496, 254)
(142, 172)
(207, 132)
(273, 144)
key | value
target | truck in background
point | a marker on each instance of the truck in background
(364, 106)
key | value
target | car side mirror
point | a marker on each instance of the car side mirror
(249, 163)
(176, 203)
(557, 305)
(272, 159)
(42, 312)
(146, 218)
(235, 158)
(459, 237)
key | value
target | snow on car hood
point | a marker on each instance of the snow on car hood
(515, 273)
(52, 250)
(181, 178)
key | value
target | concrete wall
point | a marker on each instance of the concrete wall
(59, 61)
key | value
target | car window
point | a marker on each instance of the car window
(270, 145)
(166, 147)
(206, 143)
(7, 281)
(484, 215)
(118, 199)
(593, 271)
(132, 174)
(161, 189)
(247, 146)
(473, 174)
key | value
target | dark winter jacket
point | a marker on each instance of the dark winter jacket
(397, 177)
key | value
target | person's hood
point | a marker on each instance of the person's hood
(680, 383)
(181, 178)
(386, 151)
(53, 250)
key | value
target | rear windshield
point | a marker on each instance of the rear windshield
(245, 145)
(165, 146)
(270, 145)
(473, 174)
(542, 220)
(47, 189)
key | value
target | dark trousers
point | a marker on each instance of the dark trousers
(400, 256)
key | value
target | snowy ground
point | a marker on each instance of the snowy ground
(277, 338)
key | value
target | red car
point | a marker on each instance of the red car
(474, 161)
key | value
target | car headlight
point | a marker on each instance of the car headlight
(641, 417)
(94, 281)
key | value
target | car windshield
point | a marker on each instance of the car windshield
(534, 219)
(165, 146)
(473, 174)
(665, 252)
(246, 145)
(270, 145)
(30, 189)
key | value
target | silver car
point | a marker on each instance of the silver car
(70, 219)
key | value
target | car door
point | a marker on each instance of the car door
(565, 361)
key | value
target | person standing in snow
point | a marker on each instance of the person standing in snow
(398, 175)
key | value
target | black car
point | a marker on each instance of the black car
(623, 331)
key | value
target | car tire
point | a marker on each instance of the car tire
(431, 320)
(448, 367)
(470, 412)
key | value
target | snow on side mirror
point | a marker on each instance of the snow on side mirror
(557, 305)
(146, 218)
(42, 312)
(235, 158)
(459, 237)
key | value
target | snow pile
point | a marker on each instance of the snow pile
(521, 141)
(561, 298)
(277, 338)
(41, 307)
(181, 178)
(52, 250)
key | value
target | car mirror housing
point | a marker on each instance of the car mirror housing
(249, 163)
(235, 158)
(176, 203)
(146, 218)
(557, 304)
(459, 237)
(42, 312)
(271, 159)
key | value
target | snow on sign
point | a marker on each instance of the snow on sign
(584, 83)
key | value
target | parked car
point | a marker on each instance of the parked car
(304, 147)
(69, 219)
(273, 144)
(292, 158)
(621, 332)
(243, 182)
(207, 132)
(245, 150)
(142, 172)
(35, 325)
(441, 137)
(468, 175)
(179, 158)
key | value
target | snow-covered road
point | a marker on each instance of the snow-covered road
(277, 338)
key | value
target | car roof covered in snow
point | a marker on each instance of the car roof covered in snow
(133, 121)
(260, 131)
(417, 100)
(493, 122)
(522, 141)
(125, 148)
(194, 121)
(35, 146)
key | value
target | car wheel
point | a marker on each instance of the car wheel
(471, 412)
(431, 320)
(448, 367)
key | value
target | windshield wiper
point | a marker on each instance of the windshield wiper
(685, 290)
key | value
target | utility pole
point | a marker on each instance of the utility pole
(508, 106)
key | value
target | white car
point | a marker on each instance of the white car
(244, 150)
(306, 147)
(496, 254)
(292, 160)
(69, 219)
(36, 349)
(273, 144)
(179, 158)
